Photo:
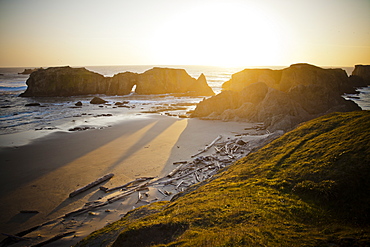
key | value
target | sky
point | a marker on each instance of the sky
(229, 33)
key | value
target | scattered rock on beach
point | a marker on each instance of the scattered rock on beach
(122, 103)
(81, 128)
(79, 103)
(104, 115)
(33, 104)
(97, 100)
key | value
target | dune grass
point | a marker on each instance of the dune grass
(308, 188)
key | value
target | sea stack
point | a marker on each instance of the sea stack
(281, 99)
(361, 75)
(64, 81)
(67, 81)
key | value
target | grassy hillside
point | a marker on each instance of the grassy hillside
(308, 188)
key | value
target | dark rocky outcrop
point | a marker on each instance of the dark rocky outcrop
(67, 81)
(64, 81)
(165, 80)
(360, 76)
(304, 92)
(335, 80)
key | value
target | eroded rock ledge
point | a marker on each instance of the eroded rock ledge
(67, 81)
(280, 98)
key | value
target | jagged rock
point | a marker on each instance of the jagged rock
(97, 100)
(64, 81)
(361, 76)
(165, 80)
(200, 87)
(79, 103)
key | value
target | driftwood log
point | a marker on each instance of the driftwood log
(208, 146)
(138, 180)
(117, 197)
(90, 185)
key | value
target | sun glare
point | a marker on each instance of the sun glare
(223, 34)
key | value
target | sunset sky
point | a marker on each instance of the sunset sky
(184, 32)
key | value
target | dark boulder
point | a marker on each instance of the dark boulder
(97, 100)
(33, 104)
(79, 103)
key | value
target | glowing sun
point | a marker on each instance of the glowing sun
(221, 34)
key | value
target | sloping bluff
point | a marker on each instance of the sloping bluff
(280, 98)
(67, 81)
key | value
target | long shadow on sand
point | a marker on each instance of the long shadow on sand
(20, 166)
(143, 142)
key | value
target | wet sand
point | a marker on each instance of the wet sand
(40, 175)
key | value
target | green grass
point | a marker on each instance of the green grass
(308, 188)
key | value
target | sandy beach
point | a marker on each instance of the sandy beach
(40, 175)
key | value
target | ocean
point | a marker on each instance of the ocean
(60, 113)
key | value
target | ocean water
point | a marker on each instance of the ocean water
(55, 112)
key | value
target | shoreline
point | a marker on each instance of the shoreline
(40, 175)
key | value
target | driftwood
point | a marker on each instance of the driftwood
(85, 209)
(208, 146)
(138, 188)
(161, 192)
(138, 180)
(180, 162)
(177, 186)
(53, 239)
(90, 185)
(115, 198)
(174, 171)
(176, 178)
